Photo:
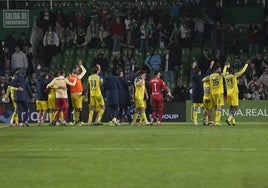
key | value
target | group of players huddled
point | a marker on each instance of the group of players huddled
(53, 92)
(208, 92)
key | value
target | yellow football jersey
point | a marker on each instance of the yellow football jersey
(94, 83)
(216, 83)
(139, 85)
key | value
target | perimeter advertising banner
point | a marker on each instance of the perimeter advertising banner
(16, 18)
(173, 112)
(249, 111)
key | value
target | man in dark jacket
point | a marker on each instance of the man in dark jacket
(41, 97)
(21, 97)
(124, 97)
(111, 88)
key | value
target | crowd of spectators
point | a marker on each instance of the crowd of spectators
(160, 33)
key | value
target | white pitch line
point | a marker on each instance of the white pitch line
(4, 127)
(131, 149)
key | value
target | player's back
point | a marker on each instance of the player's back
(157, 86)
(207, 89)
(231, 83)
(216, 83)
(94, 82)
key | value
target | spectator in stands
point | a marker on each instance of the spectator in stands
(59, 29)
(259, 64)
(10, 42)
(102, 61)
(264, 78)
(19, 60)
(179, 92)
(199, 28)
(59, 17)
(131, 65)
(153, 63)
(23, 41)
(175, 54)
(262, 92)
(80, 40)
(45, 19)
(118, 63)
(185, 34)
(32, 80)
(242, 88)
(204, 61)
(130, 25)
(51, 43)
(80, 20)
(70, 34)
(30, 59)
(6, 68)
(217, 12)
(3, 87)
(105, 37)
(253, 38)
(168, 68)
(219, 58)
(254, 83)
(144, 36)
(218, 37)
(174, 11)
(265, 31)
(117, 33)
(233, 40)
(92, 34)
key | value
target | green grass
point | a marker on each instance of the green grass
(174, 155)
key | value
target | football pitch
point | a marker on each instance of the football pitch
(173, 155)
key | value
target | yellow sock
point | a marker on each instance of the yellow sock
(51, 117)
(135, 117)
(143, 117)
(90, 116)
(12, 117)
(100, 114)
(16, 118)
(195, 114)
(229, 118)
(233, 121)
(216, 117)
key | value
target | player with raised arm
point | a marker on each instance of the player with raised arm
(157, 86)
(216, 85)
(95, 96)
(232, 90)
(77, 91)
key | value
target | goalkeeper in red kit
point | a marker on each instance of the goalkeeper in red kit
(157, 86)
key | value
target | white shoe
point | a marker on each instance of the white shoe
(57, 123)
(114, 120)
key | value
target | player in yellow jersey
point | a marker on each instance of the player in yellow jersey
(207, 103)
(52, 100)
(216, 85)
(232, 90)
(140, 103)
(95, 96)
(77, 91)
(14, 118)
